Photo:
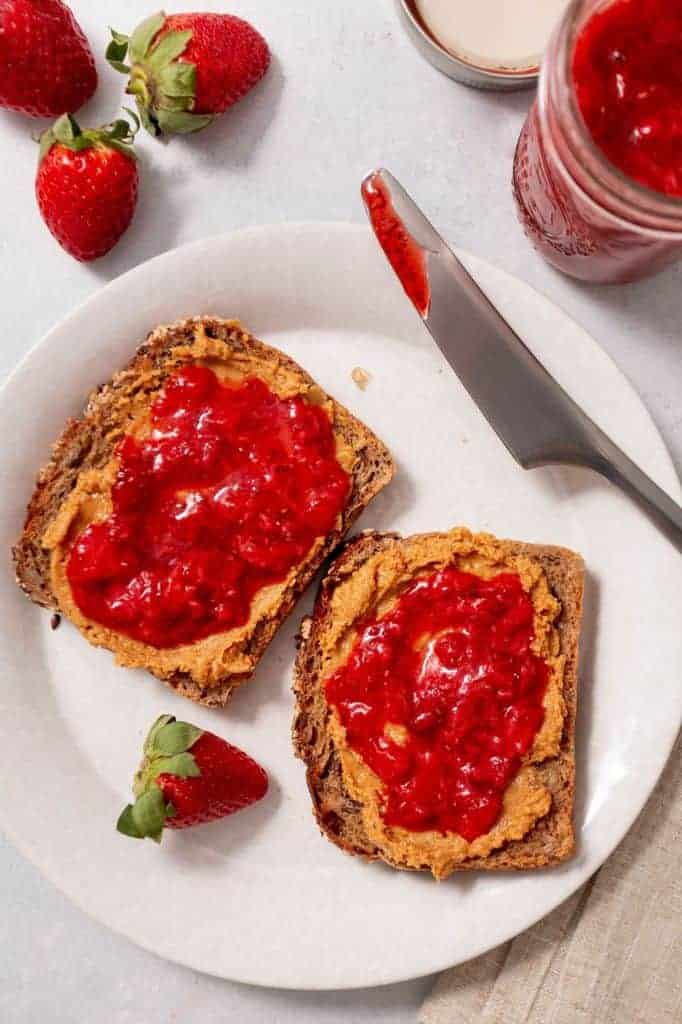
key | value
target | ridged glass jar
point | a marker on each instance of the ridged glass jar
(580, 212)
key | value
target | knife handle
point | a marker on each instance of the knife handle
(621, 471)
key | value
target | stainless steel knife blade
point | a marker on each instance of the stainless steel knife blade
(533, 416)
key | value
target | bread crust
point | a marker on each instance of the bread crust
(552, 838)
(88, 443)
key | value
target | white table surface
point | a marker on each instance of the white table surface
(346, 92)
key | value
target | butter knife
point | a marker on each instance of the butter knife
(537, 421)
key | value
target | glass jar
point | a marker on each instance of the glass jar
(579, 211)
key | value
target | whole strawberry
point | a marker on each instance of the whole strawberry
(186, 68)
(46, 62)
(87, 184)
(188, 777)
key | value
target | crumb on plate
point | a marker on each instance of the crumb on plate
(360, 377)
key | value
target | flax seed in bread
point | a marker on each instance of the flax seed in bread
(73, 488)
(536, 825)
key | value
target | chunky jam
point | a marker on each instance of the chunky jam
(627, 72)
(406, 257)
(226, 494)
(442, 697)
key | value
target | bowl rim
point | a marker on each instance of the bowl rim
(465, 71)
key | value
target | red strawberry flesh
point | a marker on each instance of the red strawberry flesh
(87, 186)
(188, 777)
(184, 69)
(229, 780)
(229, 54)
(47, 64)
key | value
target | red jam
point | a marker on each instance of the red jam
(406, 257)
(626, 76)
(451, 664)
(225, 495)
(627, 72)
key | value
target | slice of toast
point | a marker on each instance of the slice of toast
(342, 818)
(88, 443)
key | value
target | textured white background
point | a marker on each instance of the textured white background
(346, 92)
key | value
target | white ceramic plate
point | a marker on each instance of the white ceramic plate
(261, 897)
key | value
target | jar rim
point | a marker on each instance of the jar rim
(626, 197)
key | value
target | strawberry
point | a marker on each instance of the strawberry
(86, 185)
(47, 64)
(186, 68)
(188, 777)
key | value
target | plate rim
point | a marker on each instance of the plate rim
(338, 227)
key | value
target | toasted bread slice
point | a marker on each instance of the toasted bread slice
(87, 446)
(346, 820)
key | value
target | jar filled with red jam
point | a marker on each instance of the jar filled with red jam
(598, 166)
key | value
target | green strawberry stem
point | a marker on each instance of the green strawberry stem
(166, 751)
(164, 88)
(66, 131)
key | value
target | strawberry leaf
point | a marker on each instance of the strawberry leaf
(170, 47)
(126, 825)
(66, 132)
(158, 725)
(120, 129)
(119, 135)
(116, 51)
(182, 765)
(66, 129)
(148, 813)
(175, 738)
(142, 37)
(163, 86)
(146, 817)
(143, 110)
(179, 103)
(180, 122)
(135, 119)
(178, 80)
(47, 141)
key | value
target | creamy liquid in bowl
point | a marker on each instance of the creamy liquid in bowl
(510, 34)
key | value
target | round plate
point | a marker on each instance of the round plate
(261, 897)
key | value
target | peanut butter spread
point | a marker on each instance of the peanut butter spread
(375, 586)
(210, 659)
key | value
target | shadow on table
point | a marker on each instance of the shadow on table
(155, 226)
(649, 306)
(651, 302)
(227, 145)
(386, 1003)
(234, 138)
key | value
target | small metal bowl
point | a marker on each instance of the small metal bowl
(458, 68)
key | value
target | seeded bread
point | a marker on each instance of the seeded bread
(87, 443)
(551, 840)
